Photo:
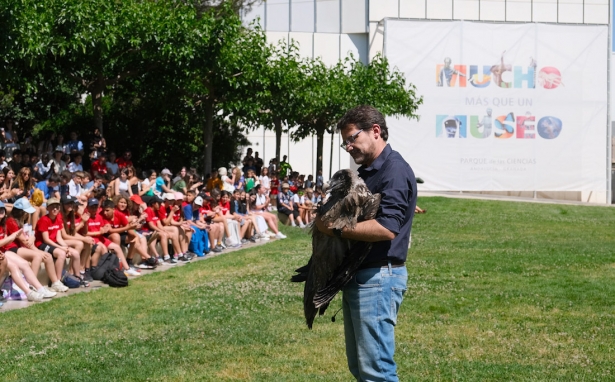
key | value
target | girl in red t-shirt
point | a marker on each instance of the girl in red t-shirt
(49, 237)
(24, 245)
(17, 265)
(74, 224)
(122, 231)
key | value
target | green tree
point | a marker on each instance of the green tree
(279, 102)
(223, 76)
(328, 92)
(98, 44)
(324, 98)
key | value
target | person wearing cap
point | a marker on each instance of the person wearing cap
(16, 264)
(167, 213)
(202, 240)
(24, 245)
(97, 228)
(74, 223)
(49, 237)
(286, 206)
(163, 182)
(152, 224)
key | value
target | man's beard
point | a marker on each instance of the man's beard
(358, 157)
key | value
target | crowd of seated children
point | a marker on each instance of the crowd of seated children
(63, 214)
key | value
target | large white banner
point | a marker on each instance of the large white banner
(507, 107)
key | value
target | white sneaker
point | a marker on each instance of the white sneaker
(280, 235)
(302, 225)
(131, 272)
(35, 296)
(264, 237)
(293, 224)
(58, 286)
(46, 293)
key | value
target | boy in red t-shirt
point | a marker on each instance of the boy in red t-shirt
(152, 223)
(49, 234)
(97, 228)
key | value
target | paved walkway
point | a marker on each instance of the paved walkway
(451, 194)
(94, 285)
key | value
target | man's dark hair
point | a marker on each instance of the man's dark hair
(364, 117)
(54, 178)
(108, 204)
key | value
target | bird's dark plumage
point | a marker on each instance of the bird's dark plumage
(335, 260)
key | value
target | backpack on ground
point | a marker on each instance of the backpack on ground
(115, 278)
(106, 262)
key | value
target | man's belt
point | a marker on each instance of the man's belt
(395, 263)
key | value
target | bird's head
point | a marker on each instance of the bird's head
(341, 182)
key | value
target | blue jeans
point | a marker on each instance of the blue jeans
(371, 301)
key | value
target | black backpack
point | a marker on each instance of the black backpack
(106, 262)
(115, 278)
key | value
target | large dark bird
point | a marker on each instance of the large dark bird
(335, 260)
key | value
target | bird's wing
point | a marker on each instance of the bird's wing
(328, 253)
(344, 273)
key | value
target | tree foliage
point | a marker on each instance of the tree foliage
(175, 79)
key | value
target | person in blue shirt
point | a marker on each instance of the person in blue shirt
(373, 297)
(163, 182)
(50, 187)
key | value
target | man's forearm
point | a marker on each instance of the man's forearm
(370, 231)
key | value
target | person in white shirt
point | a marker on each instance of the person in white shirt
(58, 164)
(75, 165)
(44, 165)
(3, 163)
(74, 186)
(264, 180)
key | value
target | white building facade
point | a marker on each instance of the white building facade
(331, 29)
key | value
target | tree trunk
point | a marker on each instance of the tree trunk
(97, 92)
(208, 135)
(277, 122)
(320, 132)
(331, 158)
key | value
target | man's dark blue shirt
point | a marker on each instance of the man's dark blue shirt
(391, 177)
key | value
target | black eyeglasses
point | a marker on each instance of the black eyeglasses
(350, 139)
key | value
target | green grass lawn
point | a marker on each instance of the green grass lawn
(496, 291)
